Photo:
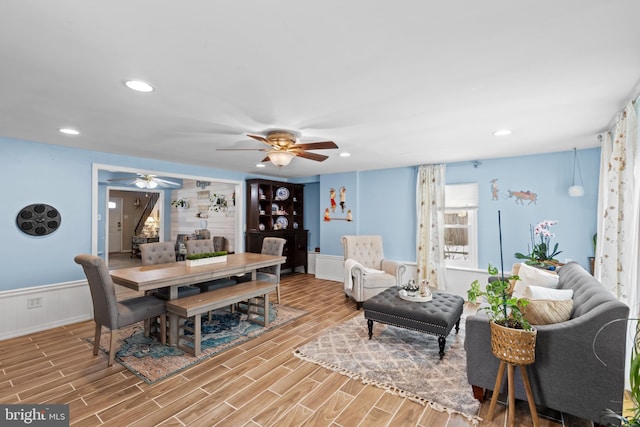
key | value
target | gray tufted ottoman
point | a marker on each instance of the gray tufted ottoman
(435, 317)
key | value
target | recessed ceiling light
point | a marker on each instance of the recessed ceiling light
(138, 86)
(261, 165)
(69, 131)
(345, 154)
(502, 132)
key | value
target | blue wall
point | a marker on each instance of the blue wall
(382, 202)
(385, 204)
(547, 175)
(60, 177)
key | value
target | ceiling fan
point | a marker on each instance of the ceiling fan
(147, 181)
(283, 147)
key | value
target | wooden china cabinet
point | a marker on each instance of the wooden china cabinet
(276, 209)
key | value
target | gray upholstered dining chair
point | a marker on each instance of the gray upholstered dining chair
(199, 246)
(272, 246)
(164, 253)
(203, 246)
(180, 248)
(114, 314)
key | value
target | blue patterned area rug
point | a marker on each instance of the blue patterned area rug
(151, 361)
(400, 361)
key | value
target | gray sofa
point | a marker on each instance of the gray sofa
(566, 375)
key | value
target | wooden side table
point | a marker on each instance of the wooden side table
(510, 387)
(514, 347)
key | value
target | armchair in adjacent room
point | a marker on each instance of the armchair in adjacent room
(366, 271)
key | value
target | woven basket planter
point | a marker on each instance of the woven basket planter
(515, 346)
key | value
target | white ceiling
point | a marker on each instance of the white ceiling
(394, 83)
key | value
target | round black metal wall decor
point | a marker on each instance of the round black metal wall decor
(38, 219)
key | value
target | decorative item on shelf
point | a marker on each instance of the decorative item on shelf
(195, 260)
(576, 190)
(282, 222)
(180, 204)
(282, 193)
(541, 254)
(218, 202)
(261, 227)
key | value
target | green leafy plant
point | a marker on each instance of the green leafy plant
(218, 202)
(503, 308)
(179, 203)
(633, 419)
(206, 255)
(541, 252)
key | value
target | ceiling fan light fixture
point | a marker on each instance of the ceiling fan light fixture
(280, 158)
(144, 183)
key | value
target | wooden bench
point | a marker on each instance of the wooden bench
(196, 305)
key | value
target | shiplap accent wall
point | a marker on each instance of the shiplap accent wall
(218, 223)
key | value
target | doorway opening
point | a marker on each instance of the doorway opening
(133, 215)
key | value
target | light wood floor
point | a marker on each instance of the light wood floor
(259, 383)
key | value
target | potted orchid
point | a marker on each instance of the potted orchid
(542, 254)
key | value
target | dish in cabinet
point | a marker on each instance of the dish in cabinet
(282, 193)
(283, 221)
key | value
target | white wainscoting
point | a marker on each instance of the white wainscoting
(70, 302)
(62, 304)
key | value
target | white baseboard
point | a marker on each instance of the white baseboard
(60, 304)
(330, 267)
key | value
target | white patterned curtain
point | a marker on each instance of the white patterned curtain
(430, 233)
(618, 248)
(617, 252)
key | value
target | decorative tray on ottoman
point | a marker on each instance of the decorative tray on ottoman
(414, 296)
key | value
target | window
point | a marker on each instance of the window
(460, 225)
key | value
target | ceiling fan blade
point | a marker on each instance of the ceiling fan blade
(241, 149)
(259, 138)
(323, 145)
(266, 159)
(312, 156)
(165, 181)
(121, 179)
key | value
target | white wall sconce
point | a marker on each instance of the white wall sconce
(576, 190)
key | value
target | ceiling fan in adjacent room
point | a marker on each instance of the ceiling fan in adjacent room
(283, 147)
(147, 181)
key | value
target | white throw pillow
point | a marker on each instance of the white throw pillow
(540, 292)
(532, 276)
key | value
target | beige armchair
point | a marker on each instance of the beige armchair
(366, 271)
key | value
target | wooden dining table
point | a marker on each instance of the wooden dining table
(175, 274)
